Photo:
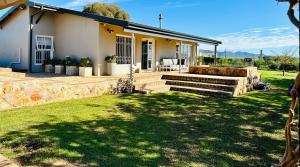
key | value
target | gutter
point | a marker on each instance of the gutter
(41, 11)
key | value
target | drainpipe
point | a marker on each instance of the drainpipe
(31, 40)
(180, 56)
(216, 52)
(132, 57)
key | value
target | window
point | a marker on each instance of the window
(177, 51)
(123, 50)
(186, 52)
(44, 49)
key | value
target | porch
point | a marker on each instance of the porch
(25, 89)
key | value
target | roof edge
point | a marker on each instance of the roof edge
(124, 24)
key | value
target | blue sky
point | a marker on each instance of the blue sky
(242, 25)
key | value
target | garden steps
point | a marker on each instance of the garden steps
(150, 84)
(12, 74)
(203, 79)
(6, 70)
(208, 85)
(202, 85)
(201, 91)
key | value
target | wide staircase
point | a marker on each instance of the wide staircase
(217, 86)
(150, 83)
(8, 72)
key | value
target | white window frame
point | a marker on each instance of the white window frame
(185, 52)
(124, 51)
(37, 49)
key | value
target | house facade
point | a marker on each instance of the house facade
(33, 32)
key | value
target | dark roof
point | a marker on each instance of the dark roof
(125, 24)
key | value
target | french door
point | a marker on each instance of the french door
(148, 54)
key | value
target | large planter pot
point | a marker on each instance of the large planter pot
(59, 69)
(49, 68)
(72, 70)
(111, 68)
(85, 71)
(117, 69)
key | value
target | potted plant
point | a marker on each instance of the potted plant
(71, 67)
(59, 67)
(111, 64)
(85, 67)
(49, 66)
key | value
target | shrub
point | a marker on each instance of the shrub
(111, 59)
(86, 62)
(274, 66)
(208, 60)
(288, 67)
(49, 62)
(237, 63)
(70, 62)
(58, 62)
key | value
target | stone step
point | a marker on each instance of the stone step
(153, 90)
(201, 91)
(142, 80)
(203, 79)
(229, 88)
(149, 85)
(6, 70)
(13, 74)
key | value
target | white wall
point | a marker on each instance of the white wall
(14, 36)
(44, 27)
(76, 37)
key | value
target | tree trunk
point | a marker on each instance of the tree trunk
(291, 11)
(291, 155)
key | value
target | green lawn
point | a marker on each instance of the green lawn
(171, 129)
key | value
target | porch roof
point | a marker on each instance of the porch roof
(128, 26)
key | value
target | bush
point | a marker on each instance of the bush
(208, 60)
(111, 59)
(70, 62)
(58, 62)
(86, 62)
(288, 67)
(274, 66)
(49, 62)
(237, 63)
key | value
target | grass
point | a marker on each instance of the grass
(170, 129)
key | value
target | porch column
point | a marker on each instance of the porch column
(180, 56)
(132, 57)
(195, 54)
(215, 55)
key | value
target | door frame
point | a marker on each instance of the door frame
(153, 63)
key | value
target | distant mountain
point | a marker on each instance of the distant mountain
(230, 54)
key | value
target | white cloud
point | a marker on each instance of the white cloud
(260, 38)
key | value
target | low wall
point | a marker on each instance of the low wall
(221, 71)
(251, 73)
(41, 91)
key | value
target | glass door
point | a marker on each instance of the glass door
(147, 54)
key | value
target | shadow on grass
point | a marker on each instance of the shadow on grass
(163, 130)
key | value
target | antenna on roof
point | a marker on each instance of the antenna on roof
(160, 20)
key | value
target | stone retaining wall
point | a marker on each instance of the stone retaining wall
(250, 72)
(39, 91)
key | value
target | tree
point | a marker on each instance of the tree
(286, 59)
(292, 154)
(108, 10)
(291, 11)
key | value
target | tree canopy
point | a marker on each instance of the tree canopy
(108, 10)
